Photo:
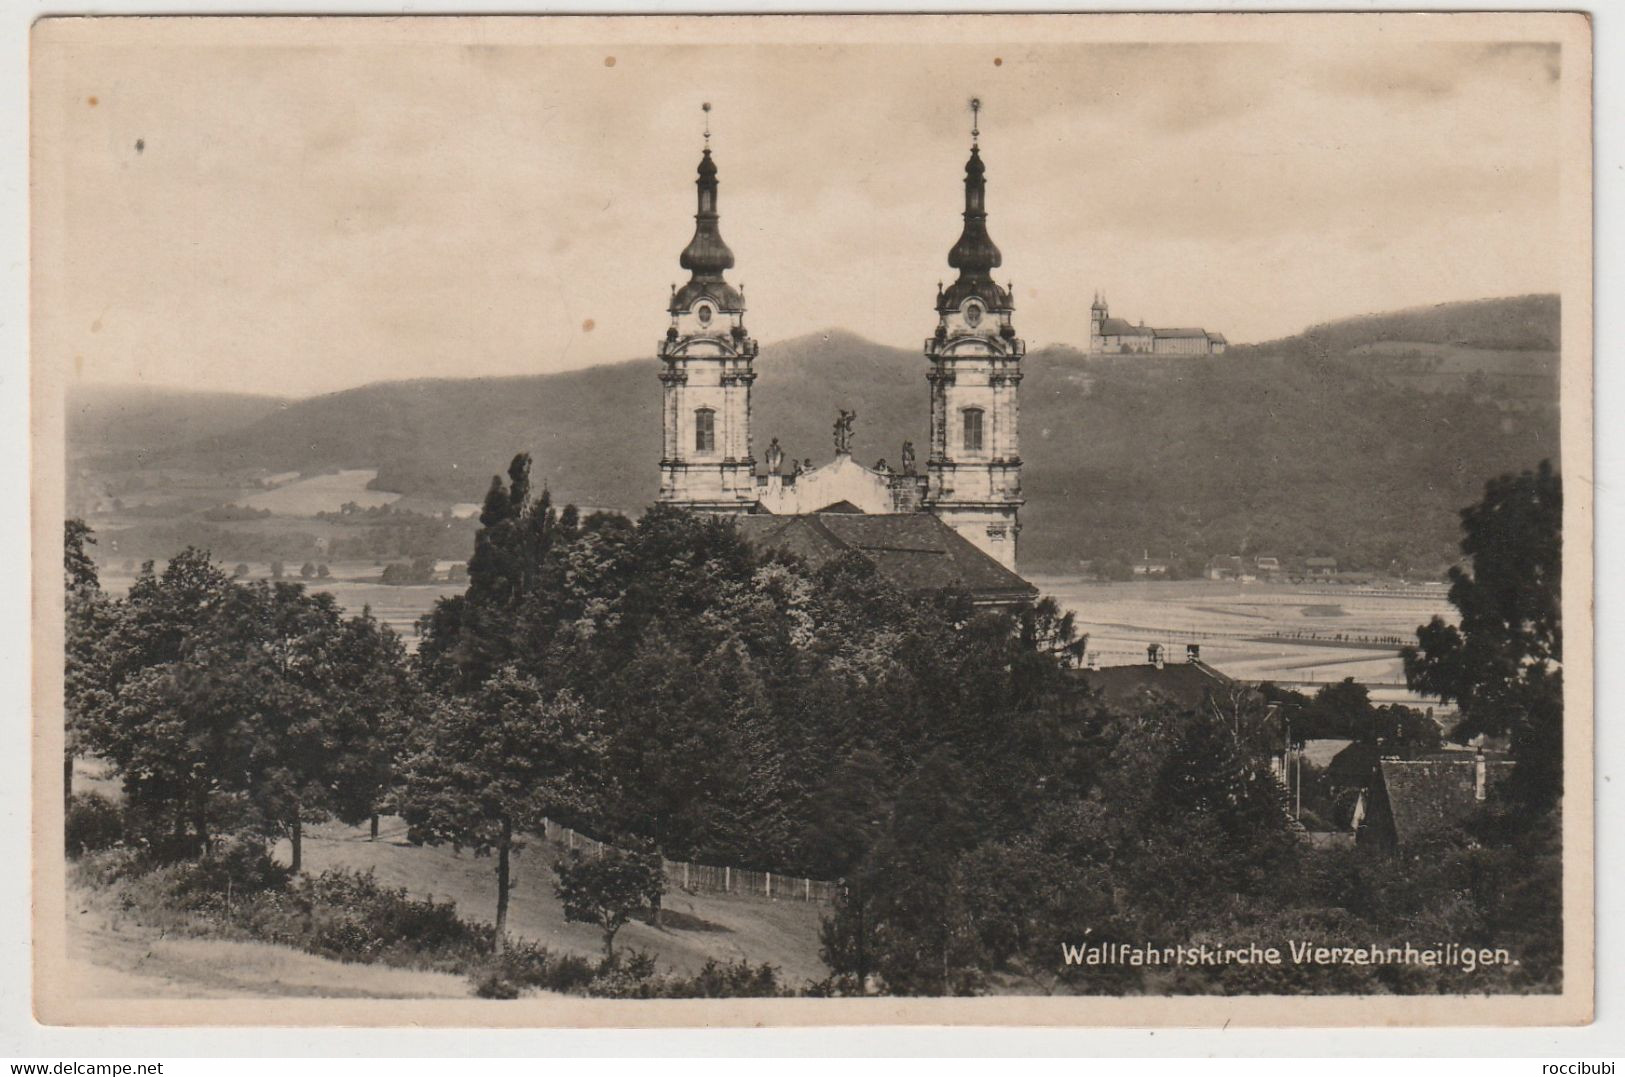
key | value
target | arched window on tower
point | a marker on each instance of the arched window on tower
(973, 429)
(705, 430)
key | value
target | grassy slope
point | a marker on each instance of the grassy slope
(109, 956)
(699, 926)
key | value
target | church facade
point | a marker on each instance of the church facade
(971, 478)
(1119, 336)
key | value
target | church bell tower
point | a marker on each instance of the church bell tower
(974, 469)
(705, 461)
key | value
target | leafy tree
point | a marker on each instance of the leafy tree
(484, 768)
(307, 571)
(845, 820)
(148, 713)
(369, 718)
(276, 570)
(1045, 630)
(1503, 663)
(326, 732)
(609, 889)
(898, 911)
(89, 617)
(467, 638)
(79, 566)
(230, 706)
(322, 571)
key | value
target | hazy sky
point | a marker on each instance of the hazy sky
(298, 220)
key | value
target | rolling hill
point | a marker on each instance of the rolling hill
(120, 419)
(1329, 442)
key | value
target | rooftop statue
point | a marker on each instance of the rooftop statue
(843, 432)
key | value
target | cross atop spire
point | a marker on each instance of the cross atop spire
(706, 255)
(975, 255)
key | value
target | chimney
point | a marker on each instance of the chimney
(1193, 653)
(1153, 654)
(1480, 774)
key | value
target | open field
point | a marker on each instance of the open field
(354, 584)
(323, 493)
(1259, 631)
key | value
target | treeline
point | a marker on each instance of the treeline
(398, 534)
(712, 696)
(228, 706)
(1344, 711)
(1282, 452)
(1524, 323)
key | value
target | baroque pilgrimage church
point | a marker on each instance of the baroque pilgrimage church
(1117, 336)
(953, 524)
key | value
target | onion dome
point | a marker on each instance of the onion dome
(975, 255)
(707, 257)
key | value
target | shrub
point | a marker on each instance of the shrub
(349, 915)
(634, 977)
(108, 866)
(240, 867)
(736, 979)
(526, 966)
(93, 823)
(489, 983)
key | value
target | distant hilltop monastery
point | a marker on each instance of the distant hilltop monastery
(1115, 336)
(948, 518)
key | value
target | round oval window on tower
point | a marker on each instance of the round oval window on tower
(973, 314)
(704, 313)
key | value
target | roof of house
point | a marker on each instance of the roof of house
(1181, 333)
(1122, 327)
(1217, 338)
(1435, 793)
(912, 551)
(1184, 684)
(1320, 562)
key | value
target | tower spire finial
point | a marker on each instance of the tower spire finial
(975, 111)
(706, 108)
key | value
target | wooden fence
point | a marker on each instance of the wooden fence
(708, 878)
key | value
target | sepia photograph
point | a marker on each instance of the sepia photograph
(700, 520)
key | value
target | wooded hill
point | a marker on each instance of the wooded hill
(1360, 439)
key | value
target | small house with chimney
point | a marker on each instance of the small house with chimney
(1413, 801)
(1161, 679)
